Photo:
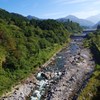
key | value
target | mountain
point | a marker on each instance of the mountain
(82, 22)
(95, 26)
(31, 17)
(94, 19)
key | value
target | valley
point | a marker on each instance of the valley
(47, 59)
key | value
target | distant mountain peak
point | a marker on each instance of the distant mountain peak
(31, 17)
(73, 18)
(70, 16)
(95, 18)
(95, 26)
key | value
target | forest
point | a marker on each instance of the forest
(27, 44)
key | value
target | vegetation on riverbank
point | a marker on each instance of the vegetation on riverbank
(92, 90)
(27, 44)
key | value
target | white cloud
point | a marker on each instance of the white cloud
(79, 8)
(96, 2)
(85, 14)
(75, 1)
(63, 2)
(89, 8)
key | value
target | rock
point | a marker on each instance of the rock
(41, 76)
(42, 84)
(48, 74)
(34, 98)
(36, 95)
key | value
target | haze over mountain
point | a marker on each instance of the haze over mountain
(82, 22)
(31, 17)
(94, 19)
(95, 26)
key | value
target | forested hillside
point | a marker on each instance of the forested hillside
(92, 90)
(72, 27)
(27, 44)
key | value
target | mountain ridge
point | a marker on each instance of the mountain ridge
(32, 17)
(95, 19)
(96, 25)
(82, 22)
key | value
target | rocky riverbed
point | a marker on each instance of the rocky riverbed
(75, 73)
(61, 79)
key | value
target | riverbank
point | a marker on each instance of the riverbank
(92, 89)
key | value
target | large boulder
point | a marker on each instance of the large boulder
(41, 76)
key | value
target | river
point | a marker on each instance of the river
(66, 75)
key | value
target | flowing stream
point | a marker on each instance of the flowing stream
(64, 77)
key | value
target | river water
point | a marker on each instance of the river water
(51, 76)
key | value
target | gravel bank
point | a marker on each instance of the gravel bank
(77, 70)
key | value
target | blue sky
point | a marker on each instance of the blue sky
(52, 8)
